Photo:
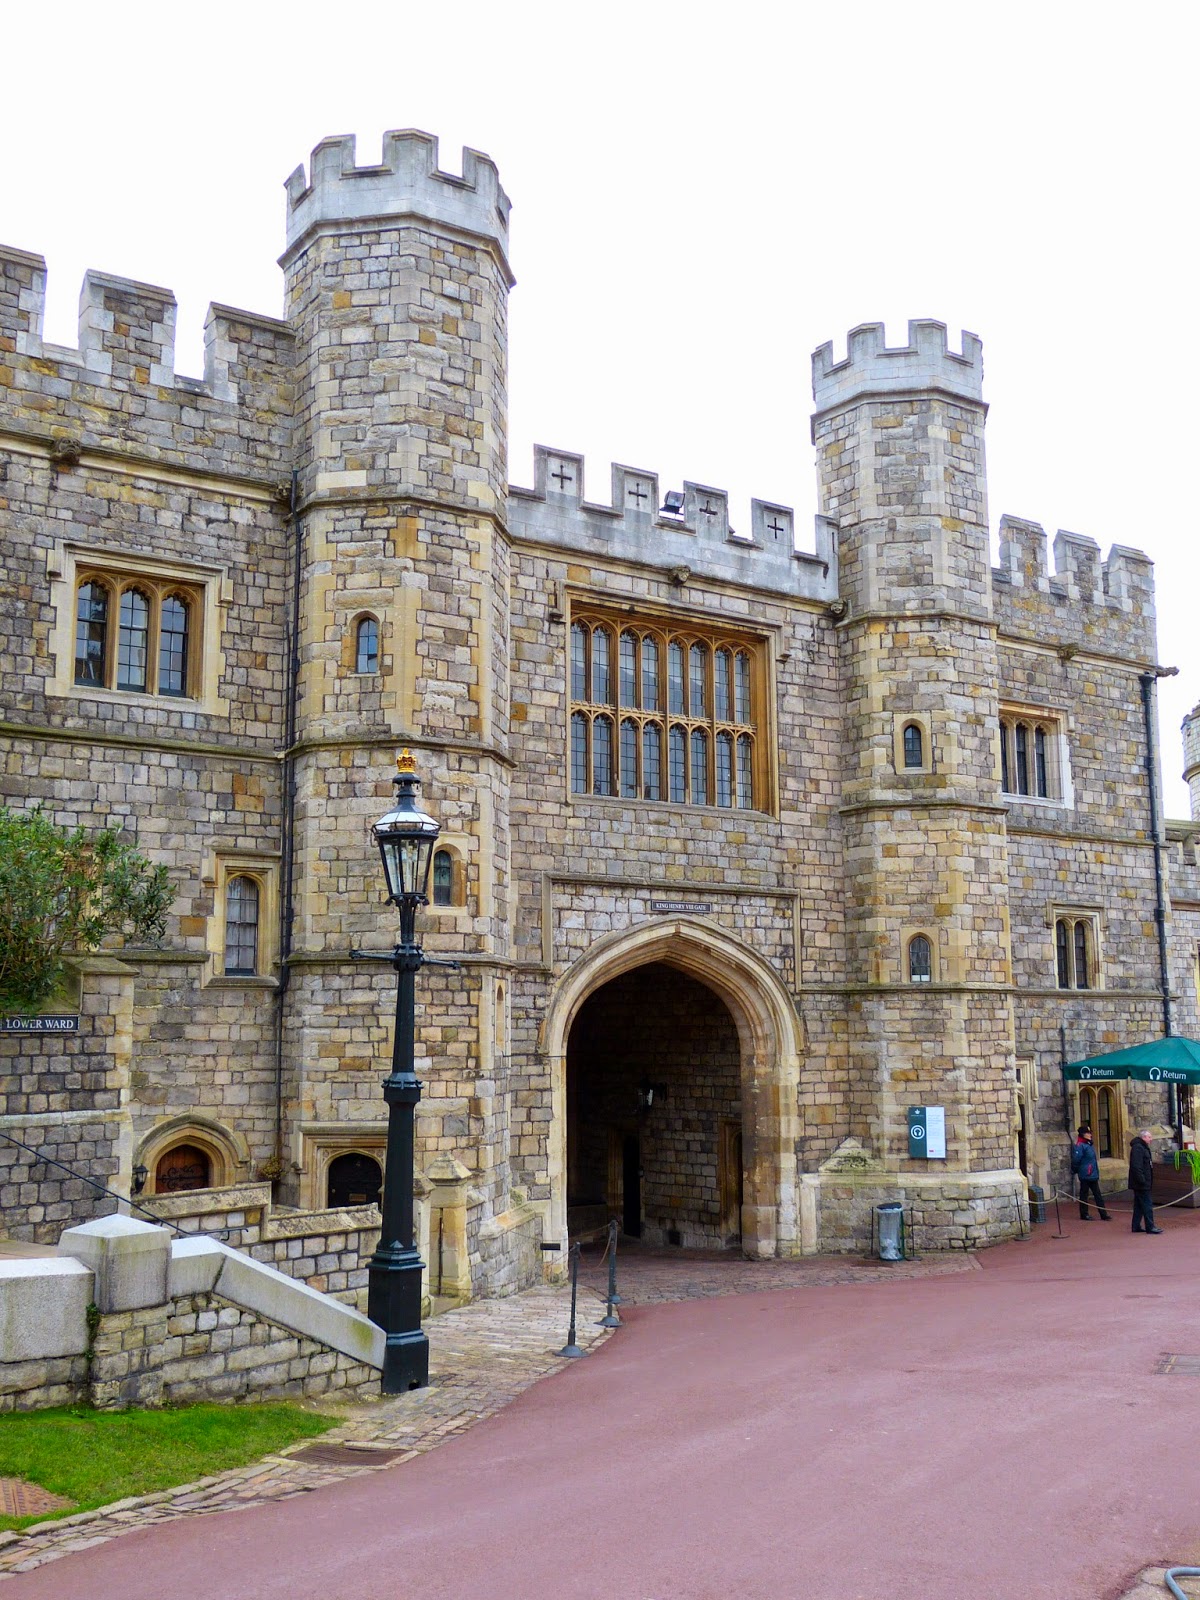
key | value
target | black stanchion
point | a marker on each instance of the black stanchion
(1058, 1219)
(1022, 1231)
(571, 1350)
(614, 1229)
(610, 1319)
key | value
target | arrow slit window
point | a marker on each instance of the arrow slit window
(666, 713)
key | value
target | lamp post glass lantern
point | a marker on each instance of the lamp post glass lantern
(406, 837)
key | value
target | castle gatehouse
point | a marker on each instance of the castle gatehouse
(762, 846)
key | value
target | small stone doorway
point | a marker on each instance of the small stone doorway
(354, 1180)
(654, 1113)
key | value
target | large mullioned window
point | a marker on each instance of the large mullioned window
(136, 634)
(665, 714)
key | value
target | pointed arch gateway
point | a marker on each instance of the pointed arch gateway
(769, 1039)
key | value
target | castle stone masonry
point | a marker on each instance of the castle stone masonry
(753, 837)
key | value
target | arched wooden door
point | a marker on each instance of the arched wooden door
(354, 1180)
(184, 1167)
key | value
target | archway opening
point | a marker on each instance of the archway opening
(354, 1180)
(654, 1111)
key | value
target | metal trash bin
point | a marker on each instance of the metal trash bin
(890, 1221)
(1037, 1203)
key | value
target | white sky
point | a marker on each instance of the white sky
(702, 194)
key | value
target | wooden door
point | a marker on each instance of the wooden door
(184, 1167)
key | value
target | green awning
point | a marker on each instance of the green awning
(1160, 1061)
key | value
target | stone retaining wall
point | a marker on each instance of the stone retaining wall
(126, 1316)
(204, 1348)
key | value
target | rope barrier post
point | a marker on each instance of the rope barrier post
(571, 1350)
(614, 1230)
(1022, 1231)
(610, 1319)
(1057, 1217)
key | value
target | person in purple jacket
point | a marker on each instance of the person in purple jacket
(1086, 1168)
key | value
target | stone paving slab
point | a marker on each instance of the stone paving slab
(481, 1358)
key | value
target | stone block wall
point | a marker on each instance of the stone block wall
(329, 1249)
(67, 1095)
(941, 1213)
(217, 1351)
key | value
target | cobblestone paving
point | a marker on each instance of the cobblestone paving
(481, 1357)
(649, 1277)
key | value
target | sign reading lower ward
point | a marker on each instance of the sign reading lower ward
(39, 1024)
(927, 1132)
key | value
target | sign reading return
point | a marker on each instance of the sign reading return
(39, 1024)
(927, 1132)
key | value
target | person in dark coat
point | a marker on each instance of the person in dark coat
(1086, 1168)
(1141, 1181)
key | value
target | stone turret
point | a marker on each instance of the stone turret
(899, 438)
(397, 284)
(1191, 758)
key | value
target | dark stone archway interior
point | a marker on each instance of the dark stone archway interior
(670, 1169)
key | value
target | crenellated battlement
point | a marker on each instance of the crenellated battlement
(872, 366)
(636, 526)
(121, 379)
(1082, 598)
(406, 182)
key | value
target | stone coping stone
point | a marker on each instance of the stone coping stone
(128, 1257)
(43, 1308)
(206, 1202)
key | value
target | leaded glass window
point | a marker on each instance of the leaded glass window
(241, 927)
(709, 744)
(133, 640)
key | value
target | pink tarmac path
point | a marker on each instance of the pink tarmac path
(999, 1434)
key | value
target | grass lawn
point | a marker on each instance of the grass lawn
(96, 1457)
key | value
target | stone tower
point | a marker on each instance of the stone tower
(397, 282)
(900, 459)
(1191, 757)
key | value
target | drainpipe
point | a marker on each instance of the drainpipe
(1147, 681)
(287, 909)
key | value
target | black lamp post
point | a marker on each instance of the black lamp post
(406, 837)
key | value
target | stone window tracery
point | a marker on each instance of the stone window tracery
(705, 750)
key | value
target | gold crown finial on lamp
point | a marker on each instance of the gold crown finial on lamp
(405, 762)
